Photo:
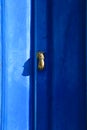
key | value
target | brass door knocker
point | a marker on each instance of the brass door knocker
(41, 63)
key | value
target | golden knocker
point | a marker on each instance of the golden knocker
(40, 57)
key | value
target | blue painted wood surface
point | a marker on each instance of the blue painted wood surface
(69, 88)
(61, 93)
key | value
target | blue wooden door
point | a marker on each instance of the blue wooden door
(60, 88)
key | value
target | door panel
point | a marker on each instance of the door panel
(41, 37)
(61, 86)
(69, 65)
(15, 51)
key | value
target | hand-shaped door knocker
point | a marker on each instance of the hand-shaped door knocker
(41, 63)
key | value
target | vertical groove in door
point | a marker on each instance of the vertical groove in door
(35, 68)
(50, 60)
(33, 88)
(3, 69)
